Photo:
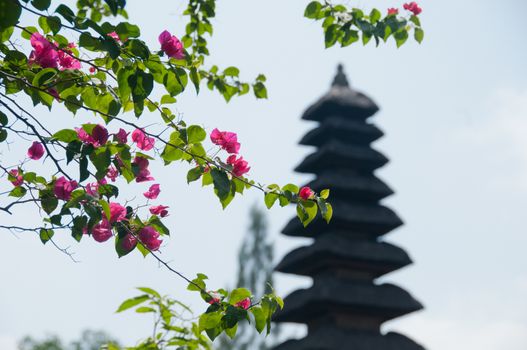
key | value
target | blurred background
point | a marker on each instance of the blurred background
(454, 111)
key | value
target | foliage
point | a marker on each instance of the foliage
(89, 340)
(255, 271)
(92, 60)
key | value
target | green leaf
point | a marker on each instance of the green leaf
(209, 320)
(270, 198)
(400, 37)
(46, 235)
(166, 99)
(259, 318)
(195, 78)
(324, 194)
(105, 208)
(6, 34)
(350, 36)
(3, 119)
(9, 13)
(419, 34)
(221, 182)
(142, 84)
(231, 332)
(238, 295)
(48, 201)
(198, 284)
(375, 15)
(415, 20)
(231, 72)
(129, 303)
(41, 5)
(331, 35)
(65, 135)
(26, 34)
(3, 135)
(150, 291)
(18, 192)
(312, 10)
(260, 91)
(194, 174)
(127, 30)
(139, 48)
(195, 134)
(329, 213)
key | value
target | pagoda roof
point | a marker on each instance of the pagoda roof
(329, 338)
(339, 155)
(333, 295)
(357, 218)
(341, 100)
(345, 129)
(333, 251)
(351, 185)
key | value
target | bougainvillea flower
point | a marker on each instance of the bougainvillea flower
(93, 189)
(36, 151)
(149, 237)
(63, 188)
(306, 193)
(128, 242)
(393, 11)
(226, 140)
(114, 36)
(160, 210)
(244, 304)
(18, 178)
(143, 173)
(102, 231)
(67, 60)
(92, 70)
(239, 166)
(413, 7)
(112, 173)
(121, 136)
(152, 192)
(117, 212)
(44, 53)
(98, 137)
(215, 297)
(144, 142)
(171, 45)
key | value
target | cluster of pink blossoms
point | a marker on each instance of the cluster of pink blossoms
(171, 45)
(413, 7)
(306, 193)
(216, 298)
(228, 141)
(47, 55)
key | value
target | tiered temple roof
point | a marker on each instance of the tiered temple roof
(345, 307)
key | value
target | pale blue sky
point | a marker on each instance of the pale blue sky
(454, 111)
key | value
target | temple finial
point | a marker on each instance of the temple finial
(340, 79)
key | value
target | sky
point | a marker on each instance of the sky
(454, 111)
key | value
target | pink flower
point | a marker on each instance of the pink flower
(413, 7)
(152, 192)
(144, 142)
(112, 173)
(63, 188)
(92, 69)
(36, 151)
(67, 60)
(114, 36)
(393, 11)
(160, 210)
(121, 136)
(18, 178)
(99, 135)
(93, 189)
(215, 297)
(43, 53)
(102, 231)
(117, 212)
(239, 166)
(244, 304)
(171, 45)
(306, 193)
(226, 140)
(128, 242)
(149, 237)
(143, 174)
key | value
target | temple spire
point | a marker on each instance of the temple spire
(340, 78)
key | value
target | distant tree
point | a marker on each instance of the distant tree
(89, 340)
(255, 272)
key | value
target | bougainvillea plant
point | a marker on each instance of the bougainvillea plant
(92, 61)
